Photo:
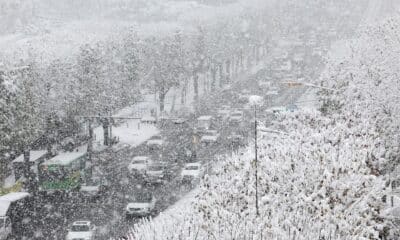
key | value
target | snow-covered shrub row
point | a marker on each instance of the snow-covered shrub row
(323, 177)
(314, 182)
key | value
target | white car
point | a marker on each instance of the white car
(204, 122)
(156, 173)
(155, 141)
(81, 230)
(236, 116)
(264, 84)
(210, 136)
(224, 112)
(142, 206)
(139, 164)
(191, 172)
(95, 189)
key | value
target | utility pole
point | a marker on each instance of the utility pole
(89, 153)
(256, 156)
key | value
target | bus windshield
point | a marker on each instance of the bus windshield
(54, 174)
(80, 228)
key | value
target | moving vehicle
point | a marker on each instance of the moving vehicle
(223, 112)
(64, 172)
(264, 84)
(209, 136)
(236, 117)
(14, 208)
(95, 189)
(156, 173)
(142, 205)
(292, 108)
(275, 110)
(82, 230)
(155, 141)
(204, 122)
(191, 172)
(139, 165)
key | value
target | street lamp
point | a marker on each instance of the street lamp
(256, 101)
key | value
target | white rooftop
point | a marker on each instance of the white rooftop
(65, 158)
(81, 223)
(4, 205)
(193, 164)
(140, 158)
(205, 118)
(34, 155)
(148, 118)
(12, 197)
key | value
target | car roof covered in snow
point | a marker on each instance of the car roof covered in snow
(205, 118)
(34, 155)
(65, 158)
(148, 118)
(14, 196)
(193, 164)
(85, 223)
(141, 158)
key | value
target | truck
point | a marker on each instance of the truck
(15, 210)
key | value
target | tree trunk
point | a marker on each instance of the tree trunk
(228, 70)
(213, 77)
(162, 101)
(27, 155)
(105, 131)
(257, 53)
(241, 58)
(237, 63)
(221, 75)
(173, 102)
(196, 85)
(183, 95)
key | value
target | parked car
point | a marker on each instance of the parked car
(139, 165)
(292, 108)
(155, 141)
(274, 110)
(236, 117)
(81, 230)
(142, 205)
(192, 172)
(209, 136)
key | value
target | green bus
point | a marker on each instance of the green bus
(63, 172)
